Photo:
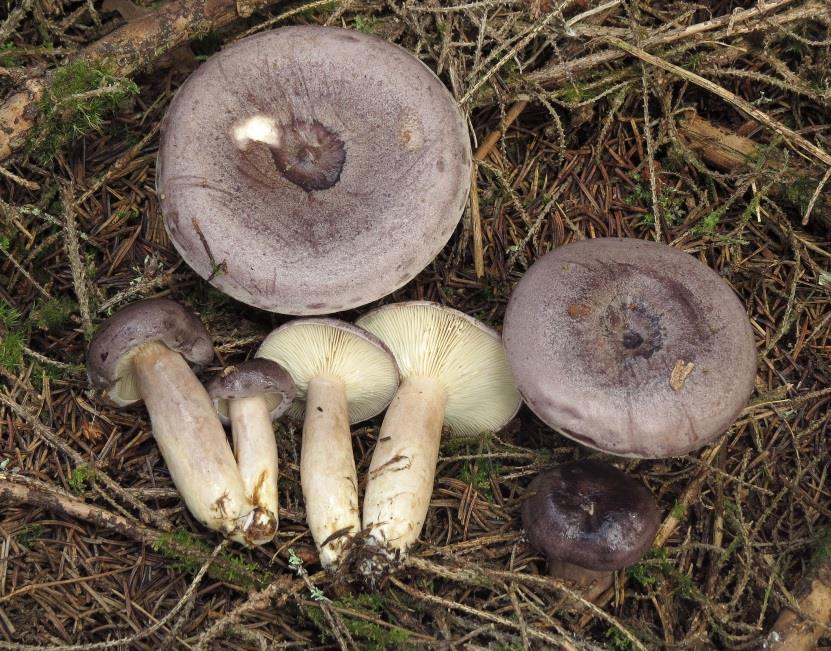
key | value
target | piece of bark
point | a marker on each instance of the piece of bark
(132, 47)
(729, 151)
(794, 631)
(725, 150)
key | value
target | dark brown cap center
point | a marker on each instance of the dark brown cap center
(309, 155)
(632, 329)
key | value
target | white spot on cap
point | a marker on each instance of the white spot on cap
(257, 128)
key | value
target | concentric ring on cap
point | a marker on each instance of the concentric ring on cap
(630, 347)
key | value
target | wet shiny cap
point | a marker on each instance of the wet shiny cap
(298, 179)
(157, 319)
(630, 347)
(256, 377)
(590, 514)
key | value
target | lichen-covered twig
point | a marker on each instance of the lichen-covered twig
(133, 46)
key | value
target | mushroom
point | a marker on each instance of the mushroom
(454, 372)
(343, 375)
(590, 520)
(249, 396)
(140, 353)
(298, 179)
(630, 347)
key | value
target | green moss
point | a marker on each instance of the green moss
(478, 474)
(79, 97)
(647, 572)
(373, 637)
(187, 554)
(822, 555)
(707, 225)
(78, 479)
(28, 534)
(799, 192)
(52, 313)
(365, 24)
(617, 640)
(12, 337)
(9, 57)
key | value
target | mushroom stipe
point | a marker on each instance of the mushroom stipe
(140, 353)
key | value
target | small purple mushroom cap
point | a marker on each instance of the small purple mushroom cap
(630, 347)
(155, 319)
(590, 514)
(298, 179)
(255, 377)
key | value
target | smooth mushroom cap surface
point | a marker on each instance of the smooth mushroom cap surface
(300, 180)
(254, 377)
(590, 514)
(310, 348)
(157, 319)
(463, 354)
(630, 347)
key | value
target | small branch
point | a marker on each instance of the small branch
(738, 102)
(22, 490)
(738, 23)
(132, 47)
(55, 441)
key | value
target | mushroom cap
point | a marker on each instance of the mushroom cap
(300, 180)
(109, 357)
(309, 348)
(465, 355)
(630, 347)
(590, 514)
(255, 377)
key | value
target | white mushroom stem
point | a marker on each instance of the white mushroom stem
(327, 470)
(403, 466)
(191, 440)
(256, 451)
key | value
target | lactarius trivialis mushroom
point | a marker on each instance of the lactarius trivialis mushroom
(454, 372)
(630, 347)
(248, 396)
(340, 180)
(590, 520)
(343, 375)
(142, 353)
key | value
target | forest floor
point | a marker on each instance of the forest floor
(706, 126)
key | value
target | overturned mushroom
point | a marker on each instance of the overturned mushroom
(590, 520)
(454, 372)
(630, 347)
(339, 180)
(248, 396)
(343, 375)
(140, 353)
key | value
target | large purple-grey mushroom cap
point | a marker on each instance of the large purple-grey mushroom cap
(630, 347)
(249, 379)
(590, 514)
(157, 319)
(299, 179)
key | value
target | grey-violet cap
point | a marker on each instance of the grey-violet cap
(255, 377)
(590, 514)
(630, 347)
(299, 179)
(309, 348)
(156, 319)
